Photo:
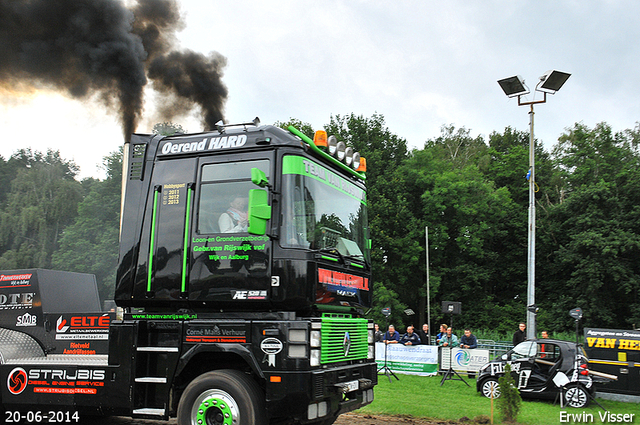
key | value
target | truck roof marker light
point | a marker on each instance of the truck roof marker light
(320, 139)
(348, 155)
(323, 154)
(355, 164)
(362, 166)
(333, 145)
(340, 151)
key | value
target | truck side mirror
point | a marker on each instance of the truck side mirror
(259, 178)
(259, 210)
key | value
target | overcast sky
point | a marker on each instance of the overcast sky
(421, 64)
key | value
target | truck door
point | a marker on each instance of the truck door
(163, 259)
(227, 263)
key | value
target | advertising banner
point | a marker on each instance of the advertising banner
(616, 352)
(409, 360)
(463, 359)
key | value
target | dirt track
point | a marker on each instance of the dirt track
(360, 419)
(346, 419)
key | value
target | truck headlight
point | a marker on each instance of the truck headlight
(315, 339)
(297, 351)
(370, 336)
(371, 353)
(297, 335)
(315, 358)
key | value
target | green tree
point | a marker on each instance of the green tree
(167, 128)
(304, 127)
(42, 201)
(510, 401)
(90, 244)
(592, 239)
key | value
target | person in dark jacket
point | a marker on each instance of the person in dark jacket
(410, 338)
(392, 336)
(520, 335)
(379, 335)
(424, 335)
(468, 340)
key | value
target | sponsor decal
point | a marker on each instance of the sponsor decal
(613, 339)
(61, 325)
(17, 381)
(62, 381)
(27, 320)
(298, 165)
(19, 300)
(270, 347)
(342, 280)
(497, 368)
(83, 327)
(344, 293)
(223, 334)
(206, 144)
(15, 280)
(249, 295)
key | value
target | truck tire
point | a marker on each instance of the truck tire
(222, 397)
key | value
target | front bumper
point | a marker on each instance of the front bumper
(308, 396)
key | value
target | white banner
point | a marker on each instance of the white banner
(409, 359)
(464, 359)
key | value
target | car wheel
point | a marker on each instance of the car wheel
(223, 397)
(576, 396)
(490, 388)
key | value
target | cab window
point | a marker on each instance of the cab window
(224, 194)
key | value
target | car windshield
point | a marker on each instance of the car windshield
(322, 210)
(524, 349)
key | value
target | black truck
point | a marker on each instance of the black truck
(244, 274)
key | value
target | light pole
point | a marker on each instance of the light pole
(550, 82)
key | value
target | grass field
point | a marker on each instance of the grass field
(423, 397)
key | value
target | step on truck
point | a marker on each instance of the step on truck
(244, 275)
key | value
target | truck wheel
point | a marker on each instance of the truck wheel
(576, 396)
(490, 387)
(223, 397)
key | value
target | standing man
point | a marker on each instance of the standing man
(468, 340)
(379, 335)
(424, 335)
(392, 336)
(443, 332)
(520, 335)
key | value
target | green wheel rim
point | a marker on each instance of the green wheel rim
(215, 407)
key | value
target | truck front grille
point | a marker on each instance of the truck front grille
(343, 339)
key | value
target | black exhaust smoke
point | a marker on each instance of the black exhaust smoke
(101, 47)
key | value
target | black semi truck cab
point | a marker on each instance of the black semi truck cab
(244, 271)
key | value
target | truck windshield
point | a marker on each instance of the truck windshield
(322, 210)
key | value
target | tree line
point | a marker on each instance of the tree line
(470, 192)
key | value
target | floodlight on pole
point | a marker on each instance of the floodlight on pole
(514, 86)
(550, 82)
